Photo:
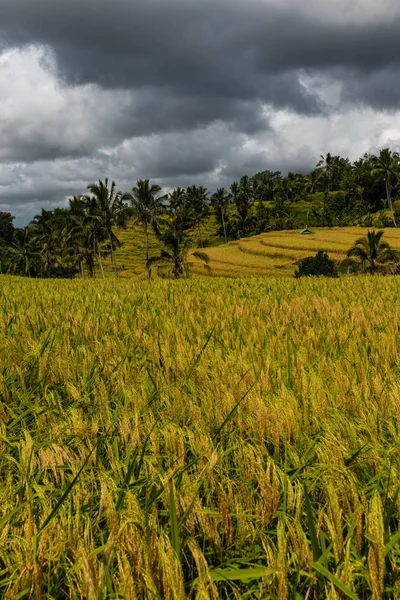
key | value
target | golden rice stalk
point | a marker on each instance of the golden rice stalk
(376, 553)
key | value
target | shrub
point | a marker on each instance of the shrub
(58, 273)
(318, 265)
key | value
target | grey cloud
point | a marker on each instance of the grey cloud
(154, 113)
(301, 160)
(241, 50)
(171, 159)
(376, 89)
(191, 49)
(176, 155)
(176, 89)
(43, 119)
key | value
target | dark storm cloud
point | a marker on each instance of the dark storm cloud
(377, 89)
(152, 112)
(182, 90)
(203, 50)
(179, 154)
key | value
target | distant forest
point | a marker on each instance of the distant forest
(73, 241)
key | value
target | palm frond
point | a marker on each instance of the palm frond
(357, 252)
(388, 255)
(201, 256)
(158, 260)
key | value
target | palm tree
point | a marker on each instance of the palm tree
(113, 212)
(371, 252)
(86, 232)
(62, 228)
(328, 164)
(243, 202)
(220, 201)
(177, 200)
(179, 250)
(234, 190)
(44, 234)
(312, 180)
(24, 252)
(385, 166)
(94, 223)
(197, 200)
(180, 211)
(280, 210)
(146, 209)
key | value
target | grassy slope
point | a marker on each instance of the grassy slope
(273, 253)
(131, 255)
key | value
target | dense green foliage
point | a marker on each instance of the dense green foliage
(317, 265)
(76, 240)
(6, 238)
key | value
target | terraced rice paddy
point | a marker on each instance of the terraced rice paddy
(274, 253)
(201, 439)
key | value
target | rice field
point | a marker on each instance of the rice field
(201, 439)
(273, 253)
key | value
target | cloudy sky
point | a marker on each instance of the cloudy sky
(188, 91)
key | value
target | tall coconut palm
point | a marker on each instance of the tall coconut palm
(234, 191)
(177, 254)
(44, 234)
(177, 199)
(220, 201)
(94, 224)
(328, 164)
(147, 207)
(371, 252)
(243, 202)
(113, 212)
(62, 226)
(86, 232)
(180, 212)
(385, 166)
(312, 180)
(25, 254)
(197, 200)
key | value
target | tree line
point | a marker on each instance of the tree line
(73, 241)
